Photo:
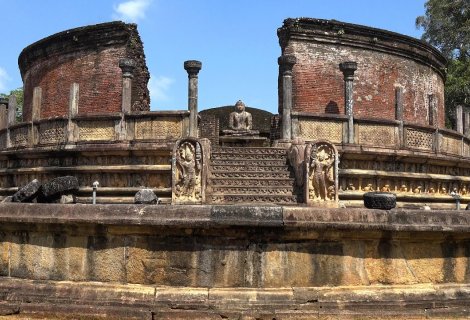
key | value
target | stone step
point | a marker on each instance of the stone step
(249, 150)
(247, 156)
(246, 198)
(250, 174)
(261, 168)
(249, 182)
(253, 190)
(249, 162)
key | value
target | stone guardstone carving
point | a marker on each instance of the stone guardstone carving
(189, 170)
(240, 122)
(321, 168)
(296, 157)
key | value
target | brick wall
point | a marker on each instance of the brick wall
(318, 84)
(209, 128)
(90, 57)
(385, 60)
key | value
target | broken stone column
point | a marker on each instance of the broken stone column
(127, 66)
(399, 114)
(3, 113)
(459, 118)
(37, 97)
(192, 67)
(11, 117)
(432, 109)
(466, 126)
(12, 105)
(286, 63)
(348, 69)
(73, 111)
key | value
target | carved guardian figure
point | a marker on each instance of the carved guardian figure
(187, 172)
(321, 174)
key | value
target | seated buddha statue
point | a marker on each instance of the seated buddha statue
(240, 122)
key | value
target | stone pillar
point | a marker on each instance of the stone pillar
(72, 134)
(459, 118)
(127, 66)
(348, 69)
(3, 113)
(466, 126)
(192, 67)
(286, 63)
(37, 97)
(12, 104)
(432, 110)
(399, 114)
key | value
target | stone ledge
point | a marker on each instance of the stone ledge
(138, 301)
(207, 216)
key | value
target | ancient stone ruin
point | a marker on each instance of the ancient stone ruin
(233, 212)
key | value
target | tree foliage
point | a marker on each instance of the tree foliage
(19, 94)
(446, 25)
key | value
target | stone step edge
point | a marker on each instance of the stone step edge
(249, 148)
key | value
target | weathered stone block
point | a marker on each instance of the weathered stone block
(28, 192)
(145, 196)
(52, 190)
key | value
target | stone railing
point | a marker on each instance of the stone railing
(171, 125)
(381, 133)
(319, 126)
(157, 125)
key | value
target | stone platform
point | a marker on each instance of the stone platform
(232, 262)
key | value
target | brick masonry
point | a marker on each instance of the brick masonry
(318, 84)
(90, 57)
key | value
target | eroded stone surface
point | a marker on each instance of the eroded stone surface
(55, 188)
(145, 196)
(28, 192)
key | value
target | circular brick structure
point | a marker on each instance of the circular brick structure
(385, 61)
(88, 56)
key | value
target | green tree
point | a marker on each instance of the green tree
(19, 94)
(446, 25)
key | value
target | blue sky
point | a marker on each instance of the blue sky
(235, 40)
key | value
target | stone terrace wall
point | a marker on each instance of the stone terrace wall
(288, 263)
(88, 56)
(385, 60)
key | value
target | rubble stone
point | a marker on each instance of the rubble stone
(27, 193)
(145, 196)
(53, 189)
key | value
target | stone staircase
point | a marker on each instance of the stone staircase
(251, 175)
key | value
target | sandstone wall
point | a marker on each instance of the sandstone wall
(243, 262)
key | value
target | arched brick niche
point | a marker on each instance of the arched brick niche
(88, 56)
(385, 61)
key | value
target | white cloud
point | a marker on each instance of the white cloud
(159, 87)
(131, 10)
(4, 78)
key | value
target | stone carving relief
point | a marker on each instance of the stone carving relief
(189, 171)
(321, 168)
(96, 130)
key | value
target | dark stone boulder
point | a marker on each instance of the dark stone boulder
(145, 196)
(27, 193)
(380, 200)
(52, 190)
